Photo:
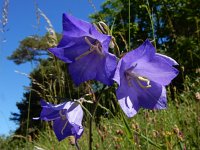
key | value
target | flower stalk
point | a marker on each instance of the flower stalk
(96, 103)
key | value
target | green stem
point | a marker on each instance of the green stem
(152, 23)
(77, 147)
(96, 103)
(198, 129)
(90, 134)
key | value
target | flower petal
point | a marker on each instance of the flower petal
(82, 46)
(157, 70)
(62, 129)
(101, 37)
(145, 51)
(132, 97)
(119, 72)
(69, 48)
(85, 68)
(127, 98)
(75, 114)
(142, 75)
(162, 102)
(128, 106)
(93, 66)
(106, 71)
(155, 67)
(50, 112)
(168, 59)
(149, 98)
(77, 131)
(75, 27)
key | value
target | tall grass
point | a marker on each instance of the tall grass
(174, 128)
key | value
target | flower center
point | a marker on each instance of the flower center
(130, 75)
(93, 47)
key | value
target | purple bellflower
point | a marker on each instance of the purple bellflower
(86, 51)
(67, 118)
(142, 75)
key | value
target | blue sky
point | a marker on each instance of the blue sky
(22, 22)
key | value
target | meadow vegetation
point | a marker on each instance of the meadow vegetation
(173, 26)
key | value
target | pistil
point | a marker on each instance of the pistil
(65, 125)
(93, 47)
(130, 75)
(63, 117)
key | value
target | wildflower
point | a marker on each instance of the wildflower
(142, 75)
(66, 117)
(86, 51)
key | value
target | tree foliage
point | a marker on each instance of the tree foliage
(31, 49)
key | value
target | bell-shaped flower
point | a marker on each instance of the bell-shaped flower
(67, 118)
(86, 51)
(142, 75)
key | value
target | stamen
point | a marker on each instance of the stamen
(82, 55)
(88, 42)
(139, 78)
(93, 47)
(63, 117)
